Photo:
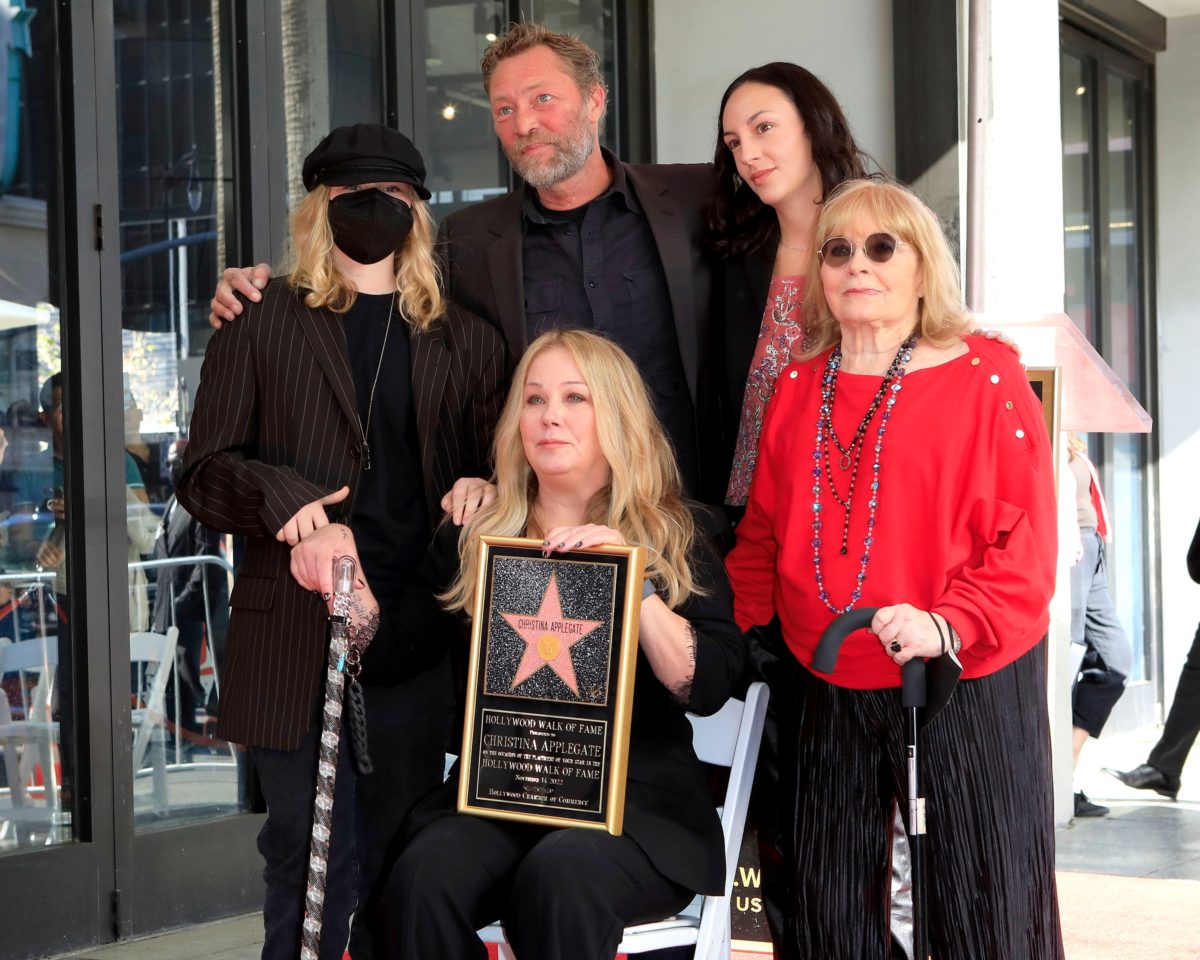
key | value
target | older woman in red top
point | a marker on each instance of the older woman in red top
(906, 466)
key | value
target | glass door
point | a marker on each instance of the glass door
(56, 837)
(176, 224)
(1107, 134)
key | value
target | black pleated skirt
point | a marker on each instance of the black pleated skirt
(985, 767)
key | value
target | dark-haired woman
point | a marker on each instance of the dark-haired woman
(783, 144)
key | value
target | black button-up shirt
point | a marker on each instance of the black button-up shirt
(598, 267)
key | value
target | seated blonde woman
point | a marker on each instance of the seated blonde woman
(581, 461)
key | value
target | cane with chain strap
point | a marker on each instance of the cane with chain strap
(344, 661)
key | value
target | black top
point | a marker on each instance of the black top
(389, 521)
(668, 806)
(598, 267)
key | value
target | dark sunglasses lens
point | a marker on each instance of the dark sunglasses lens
(837, 251)
(880, 247)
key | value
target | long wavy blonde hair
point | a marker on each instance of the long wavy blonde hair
(310, 265)
(941, 315)
(643, 499)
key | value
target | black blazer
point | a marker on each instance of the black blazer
(276, 427)
(669, 809)
(481, 251)
(742, 287)
(1193, 557)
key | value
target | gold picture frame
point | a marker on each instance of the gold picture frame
(1045, 384)
(550, 684)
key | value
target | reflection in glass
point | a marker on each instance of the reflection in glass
(332, 73)
(170, 141)
(1122, 212)
(461, 152)
(1079, 242)
(1121, 186)
(37, 704)
(1103, 207)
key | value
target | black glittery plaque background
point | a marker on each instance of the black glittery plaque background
(586, 592)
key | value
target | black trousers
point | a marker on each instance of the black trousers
(985, 764)
(563, 894)
(288, 779)
(1183, 722)
(407, 726)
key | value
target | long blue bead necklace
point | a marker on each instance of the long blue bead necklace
(889, 388)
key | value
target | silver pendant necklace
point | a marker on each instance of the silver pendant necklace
(365, 446)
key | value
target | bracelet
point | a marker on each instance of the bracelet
(941, 636)
(648, 589)
(955, 639)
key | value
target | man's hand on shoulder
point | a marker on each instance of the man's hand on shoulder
(247, 281)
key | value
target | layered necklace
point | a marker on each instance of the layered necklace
(850, 455)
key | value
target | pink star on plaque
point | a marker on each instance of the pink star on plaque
(548, 638)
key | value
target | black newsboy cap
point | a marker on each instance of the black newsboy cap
(363, 153)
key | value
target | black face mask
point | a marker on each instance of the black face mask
(368, 225)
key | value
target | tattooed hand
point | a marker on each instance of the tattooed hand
(364, 617)
(312, 557)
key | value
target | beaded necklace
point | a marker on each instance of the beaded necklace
(889, 388)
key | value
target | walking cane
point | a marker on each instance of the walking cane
(331, 731)
(921, 706)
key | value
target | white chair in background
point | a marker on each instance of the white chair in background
(729, 738)
(36, 732)
(152, 651)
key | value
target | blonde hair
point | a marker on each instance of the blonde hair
(310, 265)
(581, 61)
(941, 315)
(643, 499)
(1075, 445)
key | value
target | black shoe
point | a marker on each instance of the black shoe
(1147, 777)
(1085, 808)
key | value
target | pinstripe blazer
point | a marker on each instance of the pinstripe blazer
(276, 427)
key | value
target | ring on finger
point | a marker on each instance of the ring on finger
(894, 646)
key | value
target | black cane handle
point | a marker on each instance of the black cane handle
(912, 674)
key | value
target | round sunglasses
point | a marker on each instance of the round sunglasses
(879, 247)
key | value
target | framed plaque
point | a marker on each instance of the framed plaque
(550, 686)
(1045, 384)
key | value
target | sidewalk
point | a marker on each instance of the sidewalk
(1129, 883)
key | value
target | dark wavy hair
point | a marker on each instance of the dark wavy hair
(737, 222)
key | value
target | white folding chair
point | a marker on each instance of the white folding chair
(152, 651)
(36, 657)
(729, 738)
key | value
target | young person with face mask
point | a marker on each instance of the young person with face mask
(351, 392)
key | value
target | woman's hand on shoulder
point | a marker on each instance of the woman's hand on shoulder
(563, 539)
(467, 497)
(997, 336)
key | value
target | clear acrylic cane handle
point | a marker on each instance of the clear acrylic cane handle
(344, 572)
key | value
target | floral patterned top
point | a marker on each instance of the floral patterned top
(781, 333)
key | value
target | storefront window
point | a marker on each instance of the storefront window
(38, 729)
(169, 140)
